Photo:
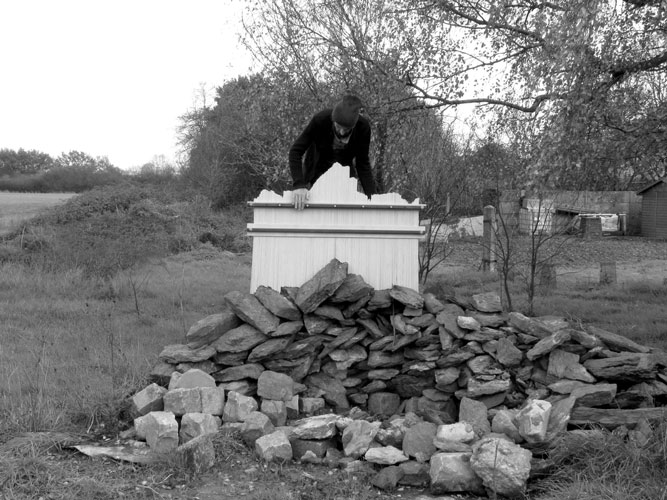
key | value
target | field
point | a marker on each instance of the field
(75, 345)
(18, 207)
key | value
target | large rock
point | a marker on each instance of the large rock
(476, 414)
(247, 307)
(383, 403)
(334, 390)
(616, 342)
(352, 289)
(385, 455)
(233, 373)
(287, 328)
(240, 339)
(182, 401)
(255, 425)
(194, 378)
(210, 328)
(382, 359)
(238, 407)
(559, 417)
(533, 420)
(274, 385)
(181, 353)
(418, 441)
(507, 353)
(452, 473)
(198, 424)
(594, 395)
(321, 286)
(563, 364)
(531, 326)
(309, 406)
(275, 410)
(149, 399)
(318, 447)
(504, 423)
(450, 323)
(477, 388)
(274, 447)
(358, 436)
(268, 349)
(627, 367)
(488, 302)
(197, 455)
(407, 296)
(548, 344)
(387, 478)
(278, 304)
(212, 400)
(161, 431)
(345, 358)
(318, 427)
(503, 466)
(461, 432)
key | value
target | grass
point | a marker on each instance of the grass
(599, 465)
(73, 347)
(77, 340)
(16, 208)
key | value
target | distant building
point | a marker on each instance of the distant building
(654, 209)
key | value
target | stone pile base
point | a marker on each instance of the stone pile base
(450, 394)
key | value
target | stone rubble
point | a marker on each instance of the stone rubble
(449, 394)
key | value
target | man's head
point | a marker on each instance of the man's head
(346, 113)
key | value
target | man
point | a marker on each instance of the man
(333, 135)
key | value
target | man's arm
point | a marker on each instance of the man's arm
(363, 164)
(296, 152)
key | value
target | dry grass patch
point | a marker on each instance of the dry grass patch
(16, 208)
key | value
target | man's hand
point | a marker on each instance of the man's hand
(300, 197)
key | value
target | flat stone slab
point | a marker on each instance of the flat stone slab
(208, 329)
(625, 367)
(268, 349)
(321, 286)
(617, 342)
(407, 296)
(233, 373)
(278, 304)
(385, 455)
(612, 418)
(181, 353)
(242, 338)
(352, 289)
(247, 307)
(488, 302)
(318, 427)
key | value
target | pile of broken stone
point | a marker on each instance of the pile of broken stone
(452, 394)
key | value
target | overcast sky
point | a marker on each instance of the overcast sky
(110, 77)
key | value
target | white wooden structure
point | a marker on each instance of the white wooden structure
(378, 238)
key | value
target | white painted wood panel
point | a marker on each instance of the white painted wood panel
(378, 238)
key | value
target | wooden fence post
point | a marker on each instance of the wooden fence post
(547, 277)
(607, 273)
(489, 240)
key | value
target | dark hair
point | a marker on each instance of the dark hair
(346, 111)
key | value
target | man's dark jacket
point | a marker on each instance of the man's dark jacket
(316, 142)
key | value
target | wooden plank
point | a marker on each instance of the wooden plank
(254, 228)
(612, 417)
(335, 205)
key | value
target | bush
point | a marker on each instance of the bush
(114, 228)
